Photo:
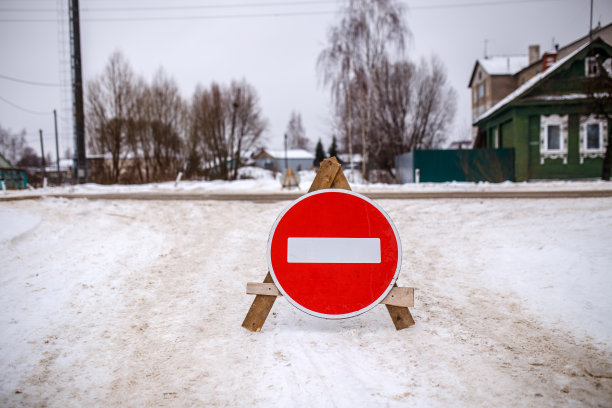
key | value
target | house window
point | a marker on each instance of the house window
(553, 138)
(593, 136)
(593, 140)
(474, 95)
(591, 68)
(480, 90)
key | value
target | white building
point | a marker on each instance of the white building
(297, 159)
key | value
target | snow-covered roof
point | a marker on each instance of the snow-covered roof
(65, 165)
(529, 84)
(346, 158)
(291, 154)
(504, 65)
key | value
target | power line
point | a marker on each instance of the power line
(252, 15)
(213, 17)
(24, 109)
(212, 6)
(24, 81)
(477, 4)
(190, 7)
(167, 18)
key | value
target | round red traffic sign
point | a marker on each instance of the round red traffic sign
(334, 253)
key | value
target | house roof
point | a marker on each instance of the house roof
(500, 65)
(594, 33)
(291, 154)
(521, 90)
(504, 65)
(4, 164)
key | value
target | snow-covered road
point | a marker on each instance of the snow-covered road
(139, 303)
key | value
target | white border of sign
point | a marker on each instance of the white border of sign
(323, 315)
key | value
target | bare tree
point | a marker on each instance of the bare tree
(295, 132)
(433, 108)
(167, 123)
(335, 66)
(12, 145)
(393, 94)
(226, 125)
(248, 120)
(140, 136)
(109, 100)
(357, 47)
(208, 129)
(413, 108)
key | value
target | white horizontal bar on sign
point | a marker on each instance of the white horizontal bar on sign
(333, 250)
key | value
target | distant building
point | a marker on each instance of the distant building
(460, 144)
(346, 160)
(492, 79)
(495, 77)
(297, 159)
(12, 177)
(550, 119)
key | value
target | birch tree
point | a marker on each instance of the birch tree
(367, 33)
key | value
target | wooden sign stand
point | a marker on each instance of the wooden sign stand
(290, 179)
(398, 300)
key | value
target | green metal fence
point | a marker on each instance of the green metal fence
(14, 178)
(435, 166)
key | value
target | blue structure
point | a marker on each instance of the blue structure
(12, 177)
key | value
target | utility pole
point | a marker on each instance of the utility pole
(286, 161)
(42, 152)
(59, 175)
(591, 24)
(80, 171)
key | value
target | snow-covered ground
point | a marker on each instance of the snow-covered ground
(258, 181)
(140, 303)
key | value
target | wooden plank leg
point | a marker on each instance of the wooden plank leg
(258, 313)
(401, 316)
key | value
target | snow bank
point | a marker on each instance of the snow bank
(256, 181)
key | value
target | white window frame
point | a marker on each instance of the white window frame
(603, 140)
(545, 152)
(590, 64)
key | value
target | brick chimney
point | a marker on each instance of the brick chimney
(534, 53)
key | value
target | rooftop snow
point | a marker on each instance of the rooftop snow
(291, 154)
(529, 84)
(504, 65)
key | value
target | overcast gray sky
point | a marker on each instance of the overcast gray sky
(273, 44)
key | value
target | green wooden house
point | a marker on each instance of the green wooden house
(551, 120)
(10, 176)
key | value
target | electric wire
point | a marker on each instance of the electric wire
(24, 109)
(251, 15)
(24, 81)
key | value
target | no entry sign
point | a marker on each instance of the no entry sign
(334, 253)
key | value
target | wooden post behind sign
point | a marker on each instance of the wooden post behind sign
(330, 175)
(290, 179)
